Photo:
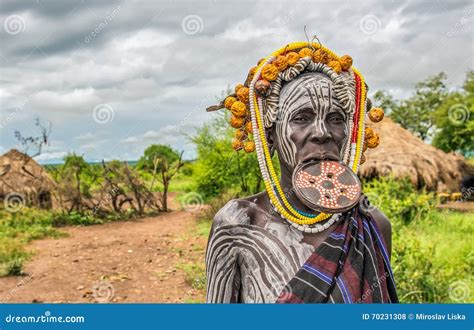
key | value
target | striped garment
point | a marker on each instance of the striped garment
(351, 266)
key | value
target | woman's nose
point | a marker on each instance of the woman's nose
(319, 132)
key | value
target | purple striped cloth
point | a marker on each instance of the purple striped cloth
(350, 266)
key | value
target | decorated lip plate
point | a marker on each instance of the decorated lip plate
(327, 186)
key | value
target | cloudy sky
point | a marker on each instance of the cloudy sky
(114, 77)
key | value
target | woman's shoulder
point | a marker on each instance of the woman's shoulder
(383, 223)
(241, 211)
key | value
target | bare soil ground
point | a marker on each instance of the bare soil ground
(461, 206)
(132, 261)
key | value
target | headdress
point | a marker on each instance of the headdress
(254, 106)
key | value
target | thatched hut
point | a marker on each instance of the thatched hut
(20, 175)
(402, 154)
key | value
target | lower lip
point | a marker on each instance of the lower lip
(317, 159)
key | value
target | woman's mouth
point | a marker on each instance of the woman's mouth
(320, 157)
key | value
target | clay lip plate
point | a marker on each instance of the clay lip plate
(326, 186)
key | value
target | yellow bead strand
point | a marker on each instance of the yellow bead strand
(295, 216)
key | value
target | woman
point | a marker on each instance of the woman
(309, 105)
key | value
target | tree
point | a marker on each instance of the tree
(455, 120)
(162, 160)
(114, 188)
(218, 167)
(34, 142)
(385, 101)
(416, 114)
(32, 145)
(75, 178)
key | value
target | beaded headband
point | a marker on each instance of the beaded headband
(254, 108)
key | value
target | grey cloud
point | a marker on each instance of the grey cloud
(154, 75)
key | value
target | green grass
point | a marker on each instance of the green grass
(203, 228)
(16, 230)
(431, 249)
(194, 274)
(451, 233)
(179, 184)
(19, 228)
(433, 258)
(182, 184)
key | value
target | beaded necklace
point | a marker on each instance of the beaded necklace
(278, 199)
(247, 117)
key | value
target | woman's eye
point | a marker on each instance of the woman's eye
(336, 118)
(300, 119)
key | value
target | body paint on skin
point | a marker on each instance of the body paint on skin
(310, 90)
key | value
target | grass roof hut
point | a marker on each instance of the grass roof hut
(24, 179)
(402, 154)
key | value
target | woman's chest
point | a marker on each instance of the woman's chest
(267, 259)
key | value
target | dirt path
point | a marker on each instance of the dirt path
(144, 260)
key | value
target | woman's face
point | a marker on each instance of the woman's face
(311, 123)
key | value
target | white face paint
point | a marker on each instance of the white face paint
(310, 91)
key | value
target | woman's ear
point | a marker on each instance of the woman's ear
(270, 136)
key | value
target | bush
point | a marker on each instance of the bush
(219, 168)
(399, 200)
(74, 219)
(12, 256)
(15, 267)
(427, 266)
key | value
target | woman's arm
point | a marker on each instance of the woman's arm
(385, 228)
(222, 271)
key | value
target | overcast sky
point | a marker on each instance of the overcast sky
(114, 77)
